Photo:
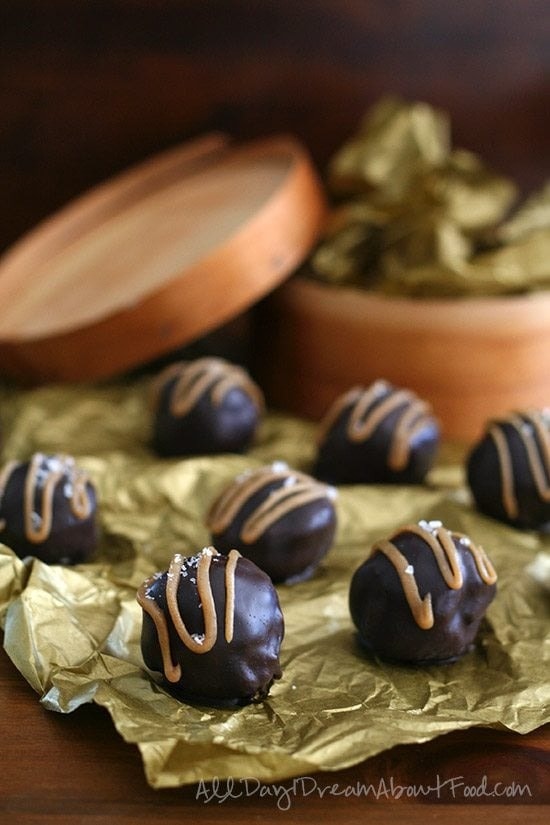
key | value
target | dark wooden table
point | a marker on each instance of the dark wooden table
(76, 769)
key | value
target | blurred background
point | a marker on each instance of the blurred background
(88, 87)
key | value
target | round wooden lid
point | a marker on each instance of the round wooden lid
(156, 257)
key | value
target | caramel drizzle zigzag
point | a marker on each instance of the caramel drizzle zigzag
(172, 671)
(441, 543)
(281, 501)
(38, 525)
(195, 378)
(539, 462)
(367, 414)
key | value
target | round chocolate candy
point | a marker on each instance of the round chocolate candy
(509, 470)
(48, 509)
(213, 627)
(281, 519)
(379, 435)
(421, 594)
(203, 407)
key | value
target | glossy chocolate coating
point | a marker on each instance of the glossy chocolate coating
(289, 548)
(212, 422)
(73, 535)
(230, 673)
(508, 470)
(383, 616)
(344, 457)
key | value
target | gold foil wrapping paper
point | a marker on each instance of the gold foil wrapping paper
(413, 216)
(74, 632)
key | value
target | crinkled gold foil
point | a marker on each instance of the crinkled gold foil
(415, 217)
(74, 632)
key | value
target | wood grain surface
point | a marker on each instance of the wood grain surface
(76, 769)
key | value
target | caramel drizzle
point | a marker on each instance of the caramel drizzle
(363, 420)
(440, 541)
(299, 490)
(539, 460)
(172, 671)
(38, 525)
(195, 378)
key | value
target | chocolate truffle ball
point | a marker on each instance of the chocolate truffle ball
(281, 519)
(421, 594)
(379, 435)
(213, 627)
(203, 407)
(509, 470)
(48, 509)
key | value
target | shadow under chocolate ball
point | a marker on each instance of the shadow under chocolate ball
(420, 596)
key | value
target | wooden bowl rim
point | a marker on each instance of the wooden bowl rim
(406, 313)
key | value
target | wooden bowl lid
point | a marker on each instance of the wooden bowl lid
(156, 257)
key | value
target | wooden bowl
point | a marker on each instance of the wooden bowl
(156, 258)
(471, 358)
